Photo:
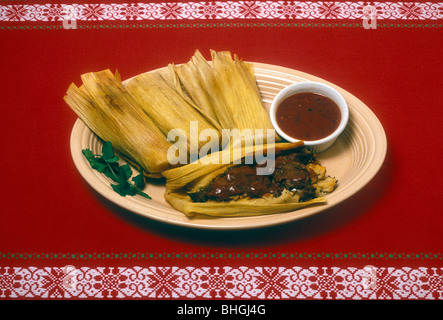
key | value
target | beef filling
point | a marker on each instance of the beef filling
(291, 173)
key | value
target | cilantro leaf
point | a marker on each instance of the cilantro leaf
(108, 152)
(95, 162)
(107, 163)
(88, 154)
(139, 180)
(124, 188)
(111, 171)
(143, 194)
(125, 172)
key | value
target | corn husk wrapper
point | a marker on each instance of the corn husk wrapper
(197, 78)
(195, 176)
(226, 90)
(105, 106)
(177, 117)
(239, 90)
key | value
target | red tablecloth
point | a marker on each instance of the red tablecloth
(59, 239)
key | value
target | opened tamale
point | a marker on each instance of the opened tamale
(295, 180)
(104, 105)
(214, 164)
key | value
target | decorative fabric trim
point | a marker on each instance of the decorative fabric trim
(239, 256)
(121, 26)
(173, 282)
(215, 10)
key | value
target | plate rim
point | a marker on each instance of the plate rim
(80, 127)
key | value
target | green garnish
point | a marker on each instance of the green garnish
(107, 163)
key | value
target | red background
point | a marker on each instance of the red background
(48, 208)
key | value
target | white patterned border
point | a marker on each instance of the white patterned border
(221, 283)
(272, 10)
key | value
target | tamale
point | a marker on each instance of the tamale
(237, 84)
(183, 185)
(226, 90)
(172, 113)
(104, 105)
(198, 80)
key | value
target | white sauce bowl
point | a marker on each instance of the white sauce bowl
(320, 145)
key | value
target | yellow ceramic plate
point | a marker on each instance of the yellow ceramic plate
(354, 159)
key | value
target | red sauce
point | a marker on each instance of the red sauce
(291, 173)
(308, 116)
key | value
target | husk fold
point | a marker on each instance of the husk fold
(235, 208)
